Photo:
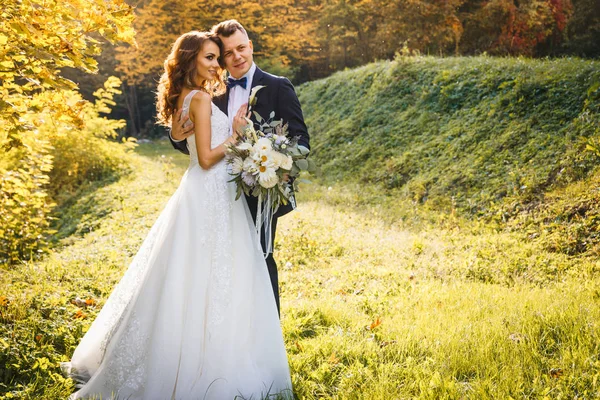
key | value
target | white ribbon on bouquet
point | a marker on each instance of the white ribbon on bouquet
(265, 220)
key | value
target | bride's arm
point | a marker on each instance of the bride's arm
(200, 111)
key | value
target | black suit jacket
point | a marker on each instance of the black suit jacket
(279, 96)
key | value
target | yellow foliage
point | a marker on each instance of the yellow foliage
(46, 127)
(55, 156)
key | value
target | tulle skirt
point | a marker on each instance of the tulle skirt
(194, 316)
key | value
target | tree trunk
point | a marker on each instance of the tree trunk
(131, 103)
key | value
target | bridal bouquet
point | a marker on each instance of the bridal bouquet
(259, 162)
(261, 158)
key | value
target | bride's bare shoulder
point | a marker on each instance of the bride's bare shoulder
(201, 97)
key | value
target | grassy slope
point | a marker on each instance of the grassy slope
(454, 308)
(104, 228)
(463, 312)
(446, 331)
(486, 136)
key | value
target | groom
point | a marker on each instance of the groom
(277, 96)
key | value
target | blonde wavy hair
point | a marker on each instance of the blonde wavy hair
(180, 72)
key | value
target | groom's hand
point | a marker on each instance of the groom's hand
(181, 128)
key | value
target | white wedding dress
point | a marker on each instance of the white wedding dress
(194, 316)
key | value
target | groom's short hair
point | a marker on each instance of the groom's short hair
(228, 28)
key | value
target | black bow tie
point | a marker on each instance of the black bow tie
(231, 82)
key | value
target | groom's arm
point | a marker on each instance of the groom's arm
(179, 145)
(178, 130)
(291, 112)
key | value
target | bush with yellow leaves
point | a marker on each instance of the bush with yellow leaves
(52, 139)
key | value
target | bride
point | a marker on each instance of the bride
(194, 316)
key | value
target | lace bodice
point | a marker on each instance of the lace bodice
(219, 124)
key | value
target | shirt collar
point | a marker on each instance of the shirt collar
(248, 75)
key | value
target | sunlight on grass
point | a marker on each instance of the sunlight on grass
(373, 310)
(379, 301)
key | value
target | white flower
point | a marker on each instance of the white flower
(281, 160)
(263, 145)
(251, 98)
(266, 159)
(250, 165)
(237, 164)
(276, 158)
(280, 139)
(267, 177)
(248, 178)
(287, 162)
(244, 146)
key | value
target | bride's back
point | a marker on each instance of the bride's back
(219, 123)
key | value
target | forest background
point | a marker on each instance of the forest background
(306, 40)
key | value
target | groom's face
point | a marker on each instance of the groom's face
(237, 53)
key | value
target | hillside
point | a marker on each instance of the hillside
(489, 137)
(369, 310)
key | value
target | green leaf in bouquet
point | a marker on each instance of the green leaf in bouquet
(257, 116)
(272, 115)
(275, 123)
(302, 164)
(238, 191)
(304, 181)
(294, 152)
(312, 166)
(303, 150)
(295, 170)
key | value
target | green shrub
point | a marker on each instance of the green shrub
(58, 154)
(24, 203)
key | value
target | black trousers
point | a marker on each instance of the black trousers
(271, 264)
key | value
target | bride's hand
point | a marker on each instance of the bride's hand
(239, 121)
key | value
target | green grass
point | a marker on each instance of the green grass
(463, 314)
(449, 248)
(486, 137)
(163, 150)
(371, 307)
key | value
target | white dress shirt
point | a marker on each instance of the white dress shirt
(239, 96)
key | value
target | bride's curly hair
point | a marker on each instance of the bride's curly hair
(180, 72)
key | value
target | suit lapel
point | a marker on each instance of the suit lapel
(222, 102)
(257, 79)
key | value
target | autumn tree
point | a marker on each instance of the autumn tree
(281, 37)
(310, 39)
(37, 40)
(582, 31)
(508, 27)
